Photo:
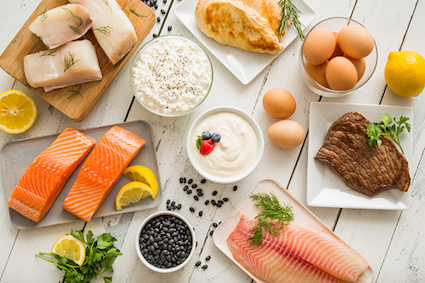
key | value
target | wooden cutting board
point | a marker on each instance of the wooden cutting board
(76, 106)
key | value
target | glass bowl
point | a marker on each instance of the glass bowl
(156, 83)
(335, 25)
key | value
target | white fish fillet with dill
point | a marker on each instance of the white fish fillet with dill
(73, 63)
(113, 30)
(62, 24)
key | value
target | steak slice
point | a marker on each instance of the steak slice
(366, 169)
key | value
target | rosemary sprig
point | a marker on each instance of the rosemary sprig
(137, 14)
(69, 61)
(49, 52)
(290, 14)
(272, 218)
(43, 16)
(106, 30)
(77, 19)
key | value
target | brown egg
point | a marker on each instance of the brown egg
(360, 65)
(319, 46)
(317, 72)
(341, 74)
(355, 41)
(337, 51)
(286, 134)
(279, 103)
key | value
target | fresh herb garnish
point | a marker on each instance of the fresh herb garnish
(106, 30)
(73, 93)
(43, 16)
(107, 4)
(375, 130)
(100, 255)
(77, 19)
(137, 14)
(69, 61)
(48, 52)
(290, 14)
(125, 11)
(199, 142)
(272, 219)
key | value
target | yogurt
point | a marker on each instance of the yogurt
(172, 75)
(236, 150)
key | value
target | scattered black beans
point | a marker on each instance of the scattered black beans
(235, 188)
(213, 202)
(192, 209)
(173, 203)
(207, 202)
(181, 180)
(199, 190)
(158, 19)
(163, 11)
(154, 35)
(214, 193)
(203, 181)
(164, 1)
(196, 198)
(168, 201)
(185, 188)
(226, 199)
(205, 266)
(200, 194)
(179, 206)
(165, 241)
(198, 263)
(184, 180)
(211, 232)
(200, 213)
(156, 6)
(190, 181)
(219, 202)
(208, 258)
(168, 207)
(189, 192)
(194, 186)
(218, 205)
(215, 225)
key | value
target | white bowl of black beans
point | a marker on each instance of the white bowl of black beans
(165, 242)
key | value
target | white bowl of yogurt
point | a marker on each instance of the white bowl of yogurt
(236, 154)
(171, 75)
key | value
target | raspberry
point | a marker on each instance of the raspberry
(206, 147)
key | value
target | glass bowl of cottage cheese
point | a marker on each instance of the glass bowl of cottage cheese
(234, 154)
(171, 76)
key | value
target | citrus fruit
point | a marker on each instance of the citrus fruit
(142, 174)
(17, 111)
(405, 73)
(132, 193)
(70, 247)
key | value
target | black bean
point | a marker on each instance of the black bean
(199, 190)
(208, 258)
(200, 213)
(211, 232)
(235, 188)
(168, 207)
(218, 205)
(192, 209)
(163, 11)
(196, 198)
(168, 201)
(173, 203)
(184, 180)
(169, 28)
(154, 35)
(181, 180)
(164, 1)
(213, 202)
(156, 6)
(194, 186)
(205, 266)
(158, 19)
(185, 188)
(207, 202)
(200, 194)
(219, 202)
(189, 192)
(215, 225)
(214, 193)
(190, 181)
(203, 181)
(226, 199)
(179, 206)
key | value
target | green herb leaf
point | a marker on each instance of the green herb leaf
(69, 61)
(199, 142)
(290, 14)
(106, 30)
(43, 16)
(49, 52)
(137, 14)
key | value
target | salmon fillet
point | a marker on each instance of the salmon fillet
(302, 253)
(42, 182)
(101, 171)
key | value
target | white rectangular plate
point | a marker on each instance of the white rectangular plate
(246, 207)
(244, 65)
(325, 188)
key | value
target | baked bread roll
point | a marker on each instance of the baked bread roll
(247, 24)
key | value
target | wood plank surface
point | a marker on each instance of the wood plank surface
(76, 107)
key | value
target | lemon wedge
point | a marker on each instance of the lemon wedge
(132, 193)
(142, 174)
(70, 247)
(17, 111)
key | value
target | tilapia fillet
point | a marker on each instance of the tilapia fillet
(302, 253)
(42, 182)
(73, 63)
(102, 169)
(62, 24)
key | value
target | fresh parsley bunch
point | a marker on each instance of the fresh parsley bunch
(385, 127)
(100, 255)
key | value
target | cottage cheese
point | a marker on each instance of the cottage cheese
(171, 75)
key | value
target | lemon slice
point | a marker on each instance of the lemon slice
(132, 193)
(142, 174)
(17, 111)
(70, 247)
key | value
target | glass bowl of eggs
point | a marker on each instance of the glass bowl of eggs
(338, 56)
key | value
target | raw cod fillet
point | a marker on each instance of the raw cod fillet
(301, 253)
(73, 63)
(42, 182)
(102, 169)
(113, 30)
(61, 25)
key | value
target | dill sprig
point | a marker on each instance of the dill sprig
(76, 30)
(74, 92)
(49, 52)
(107, 4)
(272, 218)
(290, 14)
(137, 14)
(77, 19)
(43, 16)
(69, 61)
(106, 30)
(125, 11)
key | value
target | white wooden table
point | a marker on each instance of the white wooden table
(390, 240)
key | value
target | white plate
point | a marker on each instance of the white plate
(246, 207)
(244, 65)
(325, 188)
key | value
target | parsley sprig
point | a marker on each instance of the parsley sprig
(272, 218)
(100, 255)
(385, 127)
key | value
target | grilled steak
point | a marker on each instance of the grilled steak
(366, 169)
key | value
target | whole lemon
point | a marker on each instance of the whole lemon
(405, 73)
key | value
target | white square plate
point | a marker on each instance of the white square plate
(325, 188)
(244, 65)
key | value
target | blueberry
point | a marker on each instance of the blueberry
(206, 135)
(215, 137)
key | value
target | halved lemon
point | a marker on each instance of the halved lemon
(142, 174)
(17, 111)
(132, 193)
(70, 247)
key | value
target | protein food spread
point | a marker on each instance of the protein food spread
(235, 151)
(171, 75)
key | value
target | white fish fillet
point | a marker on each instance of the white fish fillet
(113, 30)
(73, 63)
(62, 24)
